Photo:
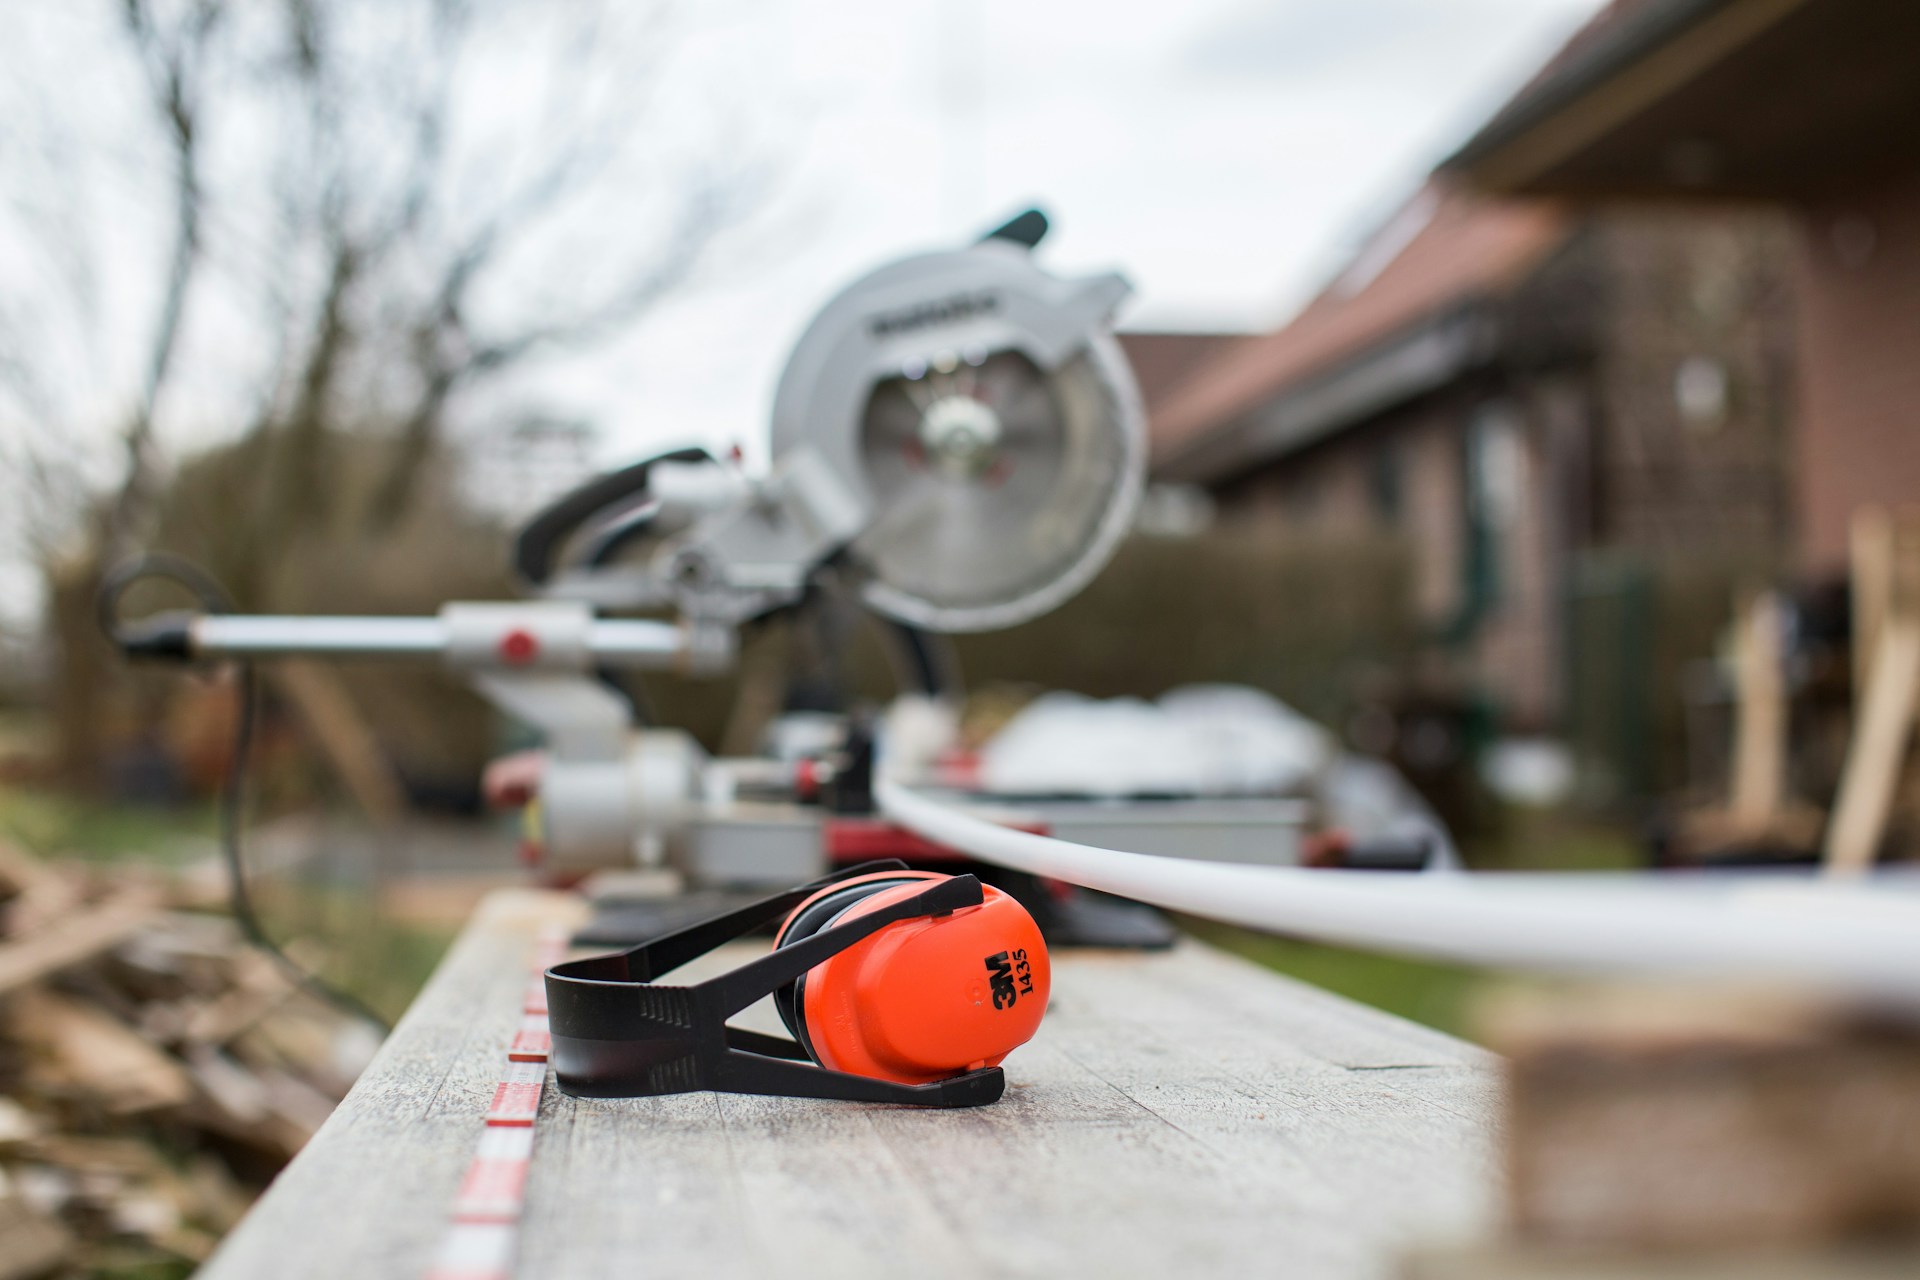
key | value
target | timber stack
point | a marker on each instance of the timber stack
(155, 1071)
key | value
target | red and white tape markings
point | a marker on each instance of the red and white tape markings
(516, 1099)
(476, 1251)
(483, 1235)
(496, 1183)
(533, 1042)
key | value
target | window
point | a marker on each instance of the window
(1388, 484)
(1496, 470)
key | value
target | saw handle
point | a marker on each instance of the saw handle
(1024, 229)
(536, 551)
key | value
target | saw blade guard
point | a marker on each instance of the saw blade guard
(985, 417)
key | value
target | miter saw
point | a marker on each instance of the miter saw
(956, 434)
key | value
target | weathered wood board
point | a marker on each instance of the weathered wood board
(1185, 1113)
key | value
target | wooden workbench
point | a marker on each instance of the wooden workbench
(1183, 1113)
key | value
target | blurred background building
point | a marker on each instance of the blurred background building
(1635, 347)
(1810, 109)
(1513, 387)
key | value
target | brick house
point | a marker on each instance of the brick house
(1163, 360)
(1512, 386)
(1811, 106)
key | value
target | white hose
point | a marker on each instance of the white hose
(1857, 938)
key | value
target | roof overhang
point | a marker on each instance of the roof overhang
(1417, 362)
(1750, 99)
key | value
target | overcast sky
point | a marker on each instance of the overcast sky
(1223, 153)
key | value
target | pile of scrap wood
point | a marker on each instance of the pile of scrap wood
(155, 1071)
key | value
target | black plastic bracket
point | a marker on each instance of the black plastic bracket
(536, 550)
(618, 1034)
(1026, 229)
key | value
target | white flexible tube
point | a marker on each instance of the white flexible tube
(1857, 938)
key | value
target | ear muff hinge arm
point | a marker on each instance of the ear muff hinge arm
(734, 991)
(649, 960)
(765, 1045)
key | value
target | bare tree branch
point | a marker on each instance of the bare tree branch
(393, 234)
(174, 63)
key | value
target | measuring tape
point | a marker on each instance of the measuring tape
(483, 1231)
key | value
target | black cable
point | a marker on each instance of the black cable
(920, 661)
(202, 585)
(231, 805)
(931, 659)
(232, 816)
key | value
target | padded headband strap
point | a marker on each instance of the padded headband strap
(616, 1034)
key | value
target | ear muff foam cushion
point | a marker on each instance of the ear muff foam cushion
(819, 912)
(927, 998)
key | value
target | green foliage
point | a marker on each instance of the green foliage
(1437, 995)
(57, 823)
(1635, 624)
(1301, 616)
(134, 1263)
(1306, 617)
(1526, 839)
(1442, 996)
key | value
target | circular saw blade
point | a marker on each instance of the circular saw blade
(1021, 517)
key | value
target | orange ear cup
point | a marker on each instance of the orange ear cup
(923, 999)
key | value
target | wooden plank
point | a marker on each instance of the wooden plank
(30, 1243)
(1893, 1260)
(81, 1050)
(76, 937)
(1179, 1113)
(1886, 652)
(369, 1195)
(21, 872)
(1760, 714)
(1672, 1118)
(1870, 556)
(1885, 722)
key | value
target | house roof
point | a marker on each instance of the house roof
(1163, 361)
(1612, 39)
(1444, 248)
(1745, 99)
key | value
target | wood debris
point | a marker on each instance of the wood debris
(155, 1072)
(1708, 1119)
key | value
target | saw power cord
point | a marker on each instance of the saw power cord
(231, 804)
(1858, 938)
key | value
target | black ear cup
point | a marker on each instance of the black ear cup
(809, 919)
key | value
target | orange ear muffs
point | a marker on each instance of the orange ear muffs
(901, 987)
(924, 998)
